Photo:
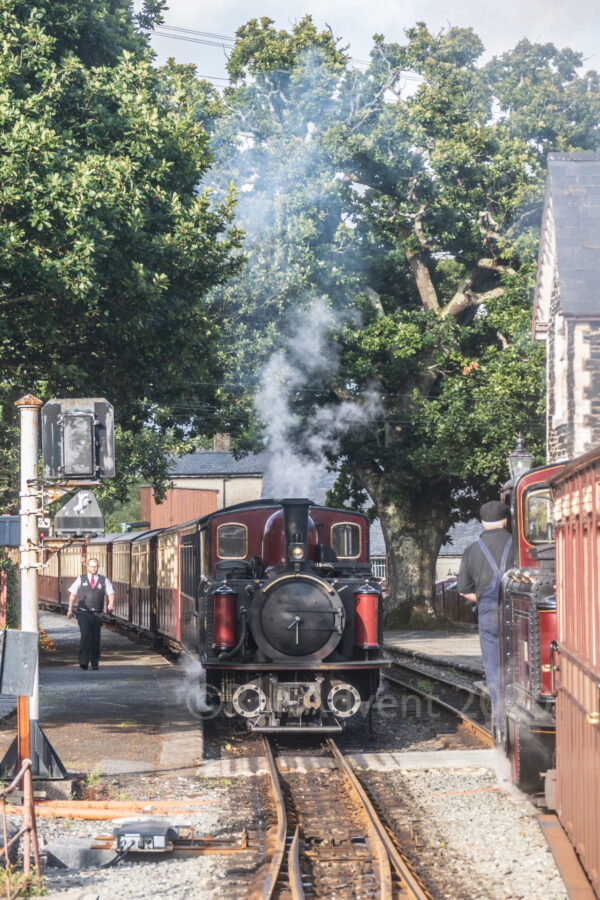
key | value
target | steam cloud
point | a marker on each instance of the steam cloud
(280, 173)
(306, 357)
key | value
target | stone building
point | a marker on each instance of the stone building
(566, 310)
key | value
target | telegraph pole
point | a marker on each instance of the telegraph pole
(29, 708)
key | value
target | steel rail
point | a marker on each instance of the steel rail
(412, 887)
(294, 874)
(404, 664)
(265, 882)
(484, 734)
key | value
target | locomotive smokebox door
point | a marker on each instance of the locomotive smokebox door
(78, 439)
(297, 616)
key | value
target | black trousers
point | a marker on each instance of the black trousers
(89, 646)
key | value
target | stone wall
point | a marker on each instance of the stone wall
(573, 383)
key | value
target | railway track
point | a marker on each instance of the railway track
(468, 704)
(328, 840)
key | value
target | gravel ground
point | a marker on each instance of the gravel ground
(474, 840)
(478, 841)
(227, 808)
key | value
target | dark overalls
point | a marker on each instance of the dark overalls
(489, 624)
(90, 605)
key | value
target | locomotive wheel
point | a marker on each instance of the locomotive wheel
(528, 757)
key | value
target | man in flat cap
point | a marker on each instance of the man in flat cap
(483, 564)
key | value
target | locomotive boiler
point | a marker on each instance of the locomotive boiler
(290, 616)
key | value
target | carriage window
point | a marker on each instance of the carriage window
(232, 541)
(538, 527)
(345, 540)
(139, 568)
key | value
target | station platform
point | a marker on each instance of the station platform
(128, 718)
(459, 649)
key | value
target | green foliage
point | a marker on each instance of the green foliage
(13, 609)
(107, 247)
(116, 512)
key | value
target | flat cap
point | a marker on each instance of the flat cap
(494, 511)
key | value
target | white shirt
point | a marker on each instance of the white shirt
(74, 588)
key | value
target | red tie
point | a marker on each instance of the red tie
(93, 581)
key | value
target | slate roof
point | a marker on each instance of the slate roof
(573, 200)
(460, 536)
(211, 463)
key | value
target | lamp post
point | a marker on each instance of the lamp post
(520, 460)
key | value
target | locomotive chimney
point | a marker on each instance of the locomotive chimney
(295, 516)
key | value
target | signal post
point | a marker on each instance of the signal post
(28, 708)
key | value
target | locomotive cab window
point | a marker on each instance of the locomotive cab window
(232, 541)
(538, 526)
(345, 540)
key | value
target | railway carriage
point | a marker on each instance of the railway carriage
(72, 564)
(576, 667)
(142, 586)
(121, 574)
(168, 606)
(61, 566)
(49, 579)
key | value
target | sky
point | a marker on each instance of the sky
(500, 25)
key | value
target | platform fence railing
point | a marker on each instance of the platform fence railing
(28, 831)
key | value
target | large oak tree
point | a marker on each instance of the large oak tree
(413, 201)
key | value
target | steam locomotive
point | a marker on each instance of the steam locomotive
(290, 617)
(276, 599)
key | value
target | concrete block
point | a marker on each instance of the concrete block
(55, 789)
(76, 853)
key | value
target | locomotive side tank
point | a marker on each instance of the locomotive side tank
(290, 617)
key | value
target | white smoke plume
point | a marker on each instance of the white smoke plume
(307, 356)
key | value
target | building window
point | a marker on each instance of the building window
(379, 567)
(345, 540)
(232, 541)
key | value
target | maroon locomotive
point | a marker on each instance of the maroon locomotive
(290, 617)
(276, 598)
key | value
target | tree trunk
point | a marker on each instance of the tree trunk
(413, 535)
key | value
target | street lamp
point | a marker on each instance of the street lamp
(520, 460)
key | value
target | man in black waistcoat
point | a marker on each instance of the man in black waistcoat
(91, 589)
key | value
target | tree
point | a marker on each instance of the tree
(418, 208)
(107, 247)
